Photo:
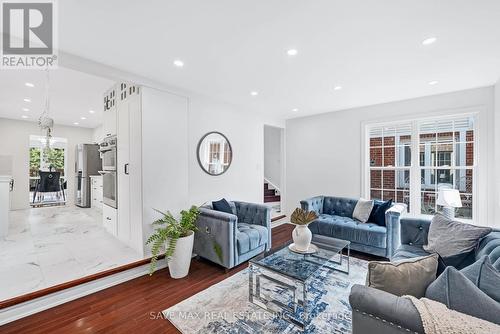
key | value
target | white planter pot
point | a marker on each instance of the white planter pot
(178, 265)
(302, 237)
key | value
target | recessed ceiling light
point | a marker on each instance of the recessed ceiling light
(432, 83)
(29, 84)
(254, 93)
(292, 52)
(337, 88)
(76, 123)
(26, 109)
(27, 100)
(295, 109)
(91, 111)
(24, 116)
(429, 41)
(83, 118)
(178, 63)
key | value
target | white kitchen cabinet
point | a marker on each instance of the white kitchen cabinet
(109, 220)
(109, 117)
(96, 192)
(152, 159)
(128, 115)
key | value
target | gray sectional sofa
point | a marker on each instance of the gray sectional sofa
(335, 220)
(379, 312)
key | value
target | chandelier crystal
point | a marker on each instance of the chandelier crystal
(46, 123)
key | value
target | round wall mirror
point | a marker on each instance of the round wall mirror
(214, 153)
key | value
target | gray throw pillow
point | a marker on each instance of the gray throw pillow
(448, 237)
(458, 293)
(404, 277)
(362, 210)
(485, 277)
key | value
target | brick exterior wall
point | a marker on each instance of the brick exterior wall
(386, 179)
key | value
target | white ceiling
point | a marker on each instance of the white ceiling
(373, 49)
(72, 95)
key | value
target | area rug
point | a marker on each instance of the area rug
(224, 307)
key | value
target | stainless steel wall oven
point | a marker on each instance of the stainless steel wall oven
(109, 176)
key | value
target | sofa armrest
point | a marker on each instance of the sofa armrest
(392, 222)
(255, 214)
(215, 239)
(370, 306)
(313, 204)
(414, 231)
(219, 215)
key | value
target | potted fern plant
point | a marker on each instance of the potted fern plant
(175, 237)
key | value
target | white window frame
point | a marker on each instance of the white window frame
(479, 206)
(61, 143)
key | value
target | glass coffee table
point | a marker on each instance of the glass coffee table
(292, 272)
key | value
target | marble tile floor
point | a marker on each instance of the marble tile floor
(52, 245)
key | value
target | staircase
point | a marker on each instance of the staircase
(270, 194)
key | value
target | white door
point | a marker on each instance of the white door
(128, 110)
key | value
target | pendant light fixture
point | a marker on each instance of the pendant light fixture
(46, 123)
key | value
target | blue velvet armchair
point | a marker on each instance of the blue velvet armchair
(230, 239)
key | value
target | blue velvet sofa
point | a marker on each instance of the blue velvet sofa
(414, 233)
(335, 220)
(229, 239)
(380, 312)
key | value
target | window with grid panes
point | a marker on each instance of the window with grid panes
(446, 150)
(390, 162)
(445, 159)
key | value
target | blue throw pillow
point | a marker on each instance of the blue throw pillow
(377, 216)
(458, 261)
(222, 205)
(484, 276)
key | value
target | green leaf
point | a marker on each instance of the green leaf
(168, 231)
(218, 251)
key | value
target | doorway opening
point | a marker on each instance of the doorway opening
(47, 171)
(274, 171)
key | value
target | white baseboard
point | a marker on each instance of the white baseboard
(57, 298)
(279, 222)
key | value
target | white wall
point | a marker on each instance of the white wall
(273, 155)
(245, 131)
(324, 152)
(97, 134)
(497, 150)
(15, 142)
(164, 155)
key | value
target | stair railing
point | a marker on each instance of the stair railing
(276, 189)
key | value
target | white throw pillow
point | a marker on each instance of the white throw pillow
(362, 210)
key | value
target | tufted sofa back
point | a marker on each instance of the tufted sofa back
(490, 245)
(251, 213)
(414, 231)
(339, 206)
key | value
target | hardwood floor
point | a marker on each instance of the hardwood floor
(134, 306)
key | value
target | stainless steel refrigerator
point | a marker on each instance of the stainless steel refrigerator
(87, 162)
